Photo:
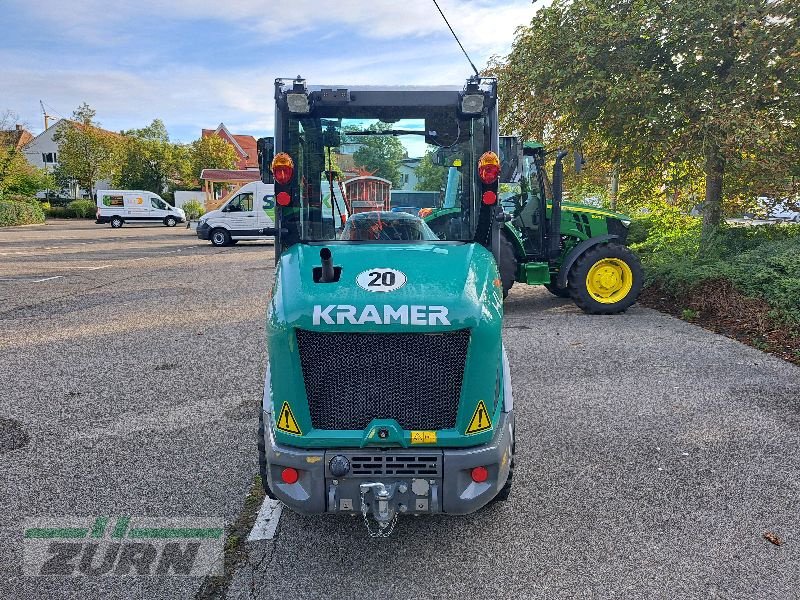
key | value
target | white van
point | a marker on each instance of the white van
(120, 206)
(250, 215)
(244, 216)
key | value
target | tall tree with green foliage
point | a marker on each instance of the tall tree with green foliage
(380, 154)
(86, 153)
(673, 90)
(430, 176)
(211, 152)
(148, 161)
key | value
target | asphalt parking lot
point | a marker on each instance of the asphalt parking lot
(652, 454)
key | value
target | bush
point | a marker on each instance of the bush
(759, 261)
(82, 209)
(19, 198)
(20, 213)
(193, 209)
(59, 212)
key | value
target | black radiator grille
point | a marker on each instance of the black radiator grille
(395, 465)
(353, 378)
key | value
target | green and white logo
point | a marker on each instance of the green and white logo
(123, 546)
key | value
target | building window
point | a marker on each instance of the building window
(48, 157)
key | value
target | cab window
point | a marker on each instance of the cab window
(158, 203)
(241, 203)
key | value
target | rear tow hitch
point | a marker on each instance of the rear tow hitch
(384, 515)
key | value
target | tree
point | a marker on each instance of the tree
(86, 153)
(211, 152)
(430, 176)
(709, 96)
(17, 176)
(380, 154)
(148, 161)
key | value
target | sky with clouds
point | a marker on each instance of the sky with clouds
(194, 63)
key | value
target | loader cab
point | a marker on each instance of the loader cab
(329, 142)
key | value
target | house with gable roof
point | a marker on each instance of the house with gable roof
(245, 146)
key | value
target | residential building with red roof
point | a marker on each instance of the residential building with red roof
(245, 146)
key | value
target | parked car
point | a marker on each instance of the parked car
(118, 207)
(781, 210)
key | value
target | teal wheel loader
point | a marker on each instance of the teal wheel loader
(388, 391)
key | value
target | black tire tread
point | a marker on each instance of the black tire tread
(507, 265)
(553, 288)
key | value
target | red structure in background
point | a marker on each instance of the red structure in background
(367, 193)
(245, 146)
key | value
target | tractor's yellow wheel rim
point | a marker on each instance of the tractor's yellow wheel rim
(609, 280)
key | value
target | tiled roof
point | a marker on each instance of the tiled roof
(248, 144)
(15, 137)
(230, 175)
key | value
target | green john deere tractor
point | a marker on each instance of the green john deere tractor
(575, 250)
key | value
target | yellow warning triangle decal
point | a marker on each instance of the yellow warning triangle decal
(480, 419)
(287, 422)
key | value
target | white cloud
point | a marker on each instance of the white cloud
(401, 43)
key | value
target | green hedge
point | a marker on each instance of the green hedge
(760, 261)
(20, 213)
(82, 209)
(77, 209)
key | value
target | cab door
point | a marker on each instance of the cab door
(158, 209)
(241, 215)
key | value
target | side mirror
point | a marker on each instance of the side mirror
(266, 152)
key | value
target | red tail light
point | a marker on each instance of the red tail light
(290, 475)
(488, 167)
(282, 168)
(283, 198)
(489, 197)
(480, 474)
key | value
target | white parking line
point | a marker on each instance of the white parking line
(48, 279)
(90, 268)
(267, 520)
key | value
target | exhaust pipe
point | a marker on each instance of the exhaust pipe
(555, 215)
(328, 274)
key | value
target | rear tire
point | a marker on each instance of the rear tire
(117, 222)
(170, 221)
(616, 279)
(507, 265)
(220, 238)
(553, 288)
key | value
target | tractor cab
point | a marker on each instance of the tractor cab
(387, 389)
